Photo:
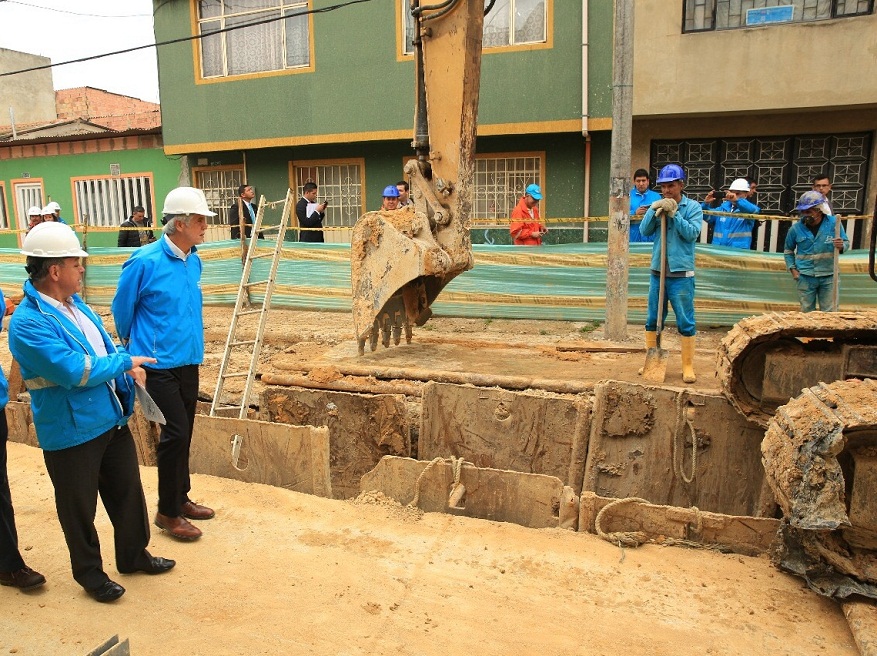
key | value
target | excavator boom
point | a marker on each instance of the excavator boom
(402, 259)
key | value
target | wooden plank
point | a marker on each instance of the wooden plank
(862, 618)
(503, 496)
(630, 452)
(503, 429)
(292, 457)
(740, 534)
(362, 428)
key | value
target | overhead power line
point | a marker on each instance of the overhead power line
(74, 13)
(322, 10)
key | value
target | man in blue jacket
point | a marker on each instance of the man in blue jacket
(81, 399)
(730, 230)
(157, 310)
(641, 198)
(684, 218)
(13, 571)
(809, 252)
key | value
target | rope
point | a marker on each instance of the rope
(681, 421)
(636, 538)
(621, 538)
(456, 466)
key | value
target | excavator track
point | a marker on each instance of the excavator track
(820, 457)
(765, 360)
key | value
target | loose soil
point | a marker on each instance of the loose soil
(279, 572)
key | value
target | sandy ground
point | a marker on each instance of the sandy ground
(279, 572)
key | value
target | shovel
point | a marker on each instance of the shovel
(655, 369)
(836, 270)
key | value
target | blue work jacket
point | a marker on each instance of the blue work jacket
(158, 306)
(637, 200)
(72, 399)
(682, 233)
(4, 384)
(813, 255)
(730, 230)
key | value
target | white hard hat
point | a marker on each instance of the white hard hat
(53, 206)
(739, 184)
(35, 211)
(186, 200)
(47, 210)
(52, 240)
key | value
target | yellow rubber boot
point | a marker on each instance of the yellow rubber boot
(651, 342)
(687, 344)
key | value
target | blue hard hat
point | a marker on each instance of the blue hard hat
(534, 191)
(671, 173)
(390, 191)
(809, 199)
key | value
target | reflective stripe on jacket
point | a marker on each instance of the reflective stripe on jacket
(813, 255)
(682, 232)
(730, 230)
(71, 396)
(158, 304)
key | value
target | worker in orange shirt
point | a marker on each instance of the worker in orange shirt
(526, 228)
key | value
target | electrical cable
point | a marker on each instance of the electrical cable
(322, 10)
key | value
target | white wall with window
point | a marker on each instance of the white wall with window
(108, 201)
(509, 23)
(270, 46)
(341, 184)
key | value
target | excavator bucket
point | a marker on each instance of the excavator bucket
(402, 259)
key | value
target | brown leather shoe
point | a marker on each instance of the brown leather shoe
(23, 579)
(177, 527)
(193, 510)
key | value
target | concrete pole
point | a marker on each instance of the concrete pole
(619, 174)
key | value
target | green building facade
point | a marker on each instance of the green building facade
(329, 97)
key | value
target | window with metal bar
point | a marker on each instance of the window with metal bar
(220, 186)
(274, 46)
(340, 183)
(783, 166)
(108, 201)
(706, 15)
(500, 182)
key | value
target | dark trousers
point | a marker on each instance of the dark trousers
(10, 557)
(106, 465)
(175, 392)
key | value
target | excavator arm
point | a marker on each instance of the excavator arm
(402, 259)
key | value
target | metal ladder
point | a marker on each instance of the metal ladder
(232, 366)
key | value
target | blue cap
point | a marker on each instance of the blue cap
(534, 191)
(390, 191)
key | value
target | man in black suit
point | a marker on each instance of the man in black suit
(242, 208)
(310, 214)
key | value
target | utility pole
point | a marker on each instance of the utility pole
(619, 174)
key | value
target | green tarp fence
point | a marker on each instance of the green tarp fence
(564, 282)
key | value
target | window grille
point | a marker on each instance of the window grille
(108, 202)
(706, 15)
(274, 46)
(220, 187)
(783, 166)
(341, 184)
(500, 182)
(509, 23)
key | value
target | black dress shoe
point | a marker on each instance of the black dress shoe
(152, 565)
(109, 591)
(23, 579)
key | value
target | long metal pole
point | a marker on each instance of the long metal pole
(619, 174)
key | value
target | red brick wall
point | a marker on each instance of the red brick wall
(112, 110)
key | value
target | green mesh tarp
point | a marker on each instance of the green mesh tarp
(566, 282)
